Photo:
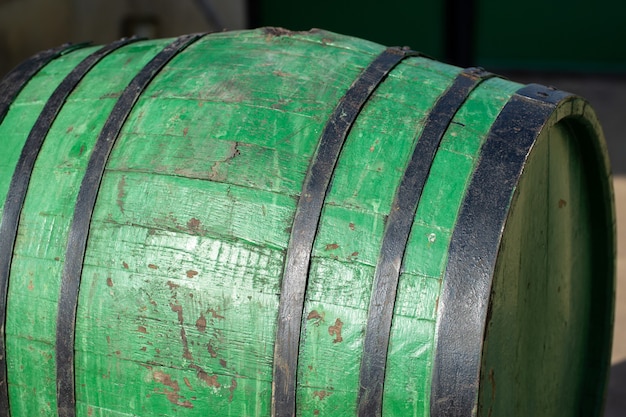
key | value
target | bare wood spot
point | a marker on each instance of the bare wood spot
(174, 397)
(172, 285)
(142, 329)
(178, 309)
(109, 282)
(212, 350)
(187, 383)
(351, 226)
(280, 73)
(185, 131)
(332, 246)
(233, 386)
(30, 285)
(191, 273)
(125, 265)
(271, 32)
(89, 411)
(153, 266)
(121, 193)
(562, 203)
(314, 315)
(210, 380)
(201, 323)
(321, 394)
(215, 314)
(69, 129)
(194, 225)
(335, 330)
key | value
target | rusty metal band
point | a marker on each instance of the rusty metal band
(395, 238)
(472, 255)
(79, 228)
(21, 176)
(305, 224)
(16, 79)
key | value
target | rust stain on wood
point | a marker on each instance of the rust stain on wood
(335, 330)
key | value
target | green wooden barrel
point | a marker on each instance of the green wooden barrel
(273, 223)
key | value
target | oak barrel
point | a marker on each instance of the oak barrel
(284, 223)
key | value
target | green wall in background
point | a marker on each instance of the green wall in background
(393, 22)
(557, 35)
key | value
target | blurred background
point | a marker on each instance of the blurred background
(573, 45)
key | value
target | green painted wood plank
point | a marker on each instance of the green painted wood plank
(26, 108)
(369, 170)
(195, 293)
(426, 252)
(45, 221)
(181, 280)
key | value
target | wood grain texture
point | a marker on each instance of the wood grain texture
(40, 246)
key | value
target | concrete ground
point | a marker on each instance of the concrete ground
(607, 95)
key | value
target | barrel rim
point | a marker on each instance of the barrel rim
(463, 307)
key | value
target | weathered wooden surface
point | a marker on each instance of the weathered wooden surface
(181, 281)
